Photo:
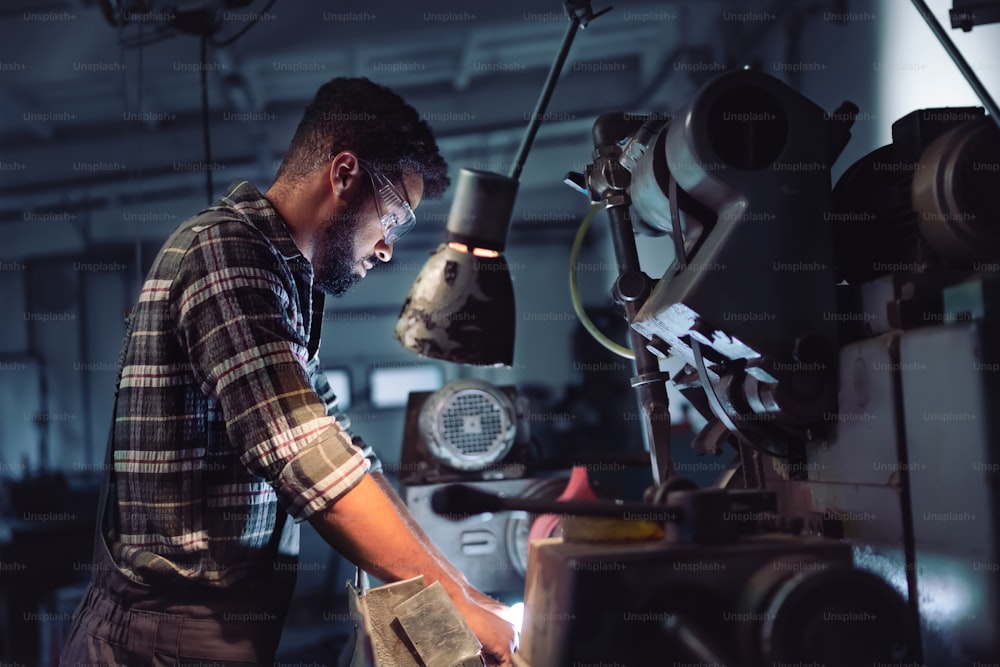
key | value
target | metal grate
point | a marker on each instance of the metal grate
(468, 424)
(472, 423)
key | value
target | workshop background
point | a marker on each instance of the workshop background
(103, 153)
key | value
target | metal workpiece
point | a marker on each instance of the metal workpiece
(437, 631)
(409, 624)
(378, 644)
(689, 515)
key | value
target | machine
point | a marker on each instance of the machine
(841, 343)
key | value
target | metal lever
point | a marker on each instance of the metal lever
(459, 501)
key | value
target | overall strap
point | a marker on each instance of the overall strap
(106, 515)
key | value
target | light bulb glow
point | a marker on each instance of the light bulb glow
(515, 615)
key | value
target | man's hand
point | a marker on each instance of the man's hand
(485, 601)
(498, 636)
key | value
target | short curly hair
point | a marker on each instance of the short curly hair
(356, 114)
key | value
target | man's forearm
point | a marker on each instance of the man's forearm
(370, 526)
(418, 532)
(475, 594)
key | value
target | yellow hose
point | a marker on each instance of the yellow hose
(574, 291)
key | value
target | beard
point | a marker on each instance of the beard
(335, 269)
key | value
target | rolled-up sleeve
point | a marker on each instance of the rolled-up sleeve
(232, 301)
(325, 392)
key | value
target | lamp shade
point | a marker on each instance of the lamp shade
(461, 306)
(460, 309)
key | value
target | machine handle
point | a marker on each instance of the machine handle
(459, 501)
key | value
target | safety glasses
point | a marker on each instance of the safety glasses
(394, 211)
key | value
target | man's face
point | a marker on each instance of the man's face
(353, 241)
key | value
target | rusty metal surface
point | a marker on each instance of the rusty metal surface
(390, 646)
(437, 630)
(380, 642)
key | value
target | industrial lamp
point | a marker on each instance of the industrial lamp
(461, 306)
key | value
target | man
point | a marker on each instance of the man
(220, 432)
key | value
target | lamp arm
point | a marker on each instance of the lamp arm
(580, 15)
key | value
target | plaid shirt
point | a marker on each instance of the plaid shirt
(224, 425)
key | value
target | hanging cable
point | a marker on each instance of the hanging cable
(206, 133)
(229, 40)
(134, 174)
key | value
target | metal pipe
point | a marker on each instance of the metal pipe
(206, 121)
(649, 382)
(623, 239)
(959, 60)
(608, 183)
